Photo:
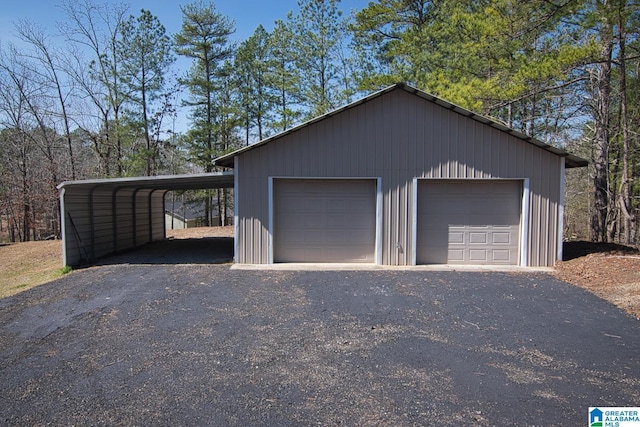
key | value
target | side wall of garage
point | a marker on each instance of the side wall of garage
(101, 220)
(398, 137)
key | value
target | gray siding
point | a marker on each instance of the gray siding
(398, 137)
(99, 221)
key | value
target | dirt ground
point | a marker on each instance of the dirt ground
(198, 232)
(610, 271)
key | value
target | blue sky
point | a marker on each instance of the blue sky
(247, 14)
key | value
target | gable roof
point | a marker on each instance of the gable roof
(571, 161)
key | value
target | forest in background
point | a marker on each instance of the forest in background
(99, 95)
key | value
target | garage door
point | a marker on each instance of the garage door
(468, 222)
(324, 221)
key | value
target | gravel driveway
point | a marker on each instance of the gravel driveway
(205, 345)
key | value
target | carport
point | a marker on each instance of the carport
(104, 216)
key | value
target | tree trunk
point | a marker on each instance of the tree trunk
(145, 122)
(13, 226)
(601, 149)
(219, 206)
(207, 208)
(625, 194)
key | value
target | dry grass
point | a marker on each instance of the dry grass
(29, 264)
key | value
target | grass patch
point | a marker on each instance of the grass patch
(29, 264)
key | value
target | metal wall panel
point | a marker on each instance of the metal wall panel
(98, 221)
(158, 229)
(398, 136)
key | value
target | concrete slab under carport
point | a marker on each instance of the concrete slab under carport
(202, 250)
(105, 216)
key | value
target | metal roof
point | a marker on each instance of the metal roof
(571, 161)
(200, 181)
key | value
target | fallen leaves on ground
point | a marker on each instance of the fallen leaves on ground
(610, 271)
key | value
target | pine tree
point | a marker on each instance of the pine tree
(283, 77)
(204, 37)
(317, 30)
(252, 62)
(145, 57)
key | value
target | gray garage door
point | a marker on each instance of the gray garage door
(324, 220)
(468, 222)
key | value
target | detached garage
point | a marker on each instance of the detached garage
(399, 178)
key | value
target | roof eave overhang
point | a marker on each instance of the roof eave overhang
(571, 161)
(162, 182)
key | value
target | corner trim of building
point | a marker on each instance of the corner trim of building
(379, 220)
(561, 211)
(524, 231)
(270, 225)
(236, 204)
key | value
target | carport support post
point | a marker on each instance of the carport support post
(414, 224)
(379, 221)
(134, 216)
(63, 227)
(164, 225)
(151, 214)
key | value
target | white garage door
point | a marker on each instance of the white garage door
(468, 222)
(324, 220)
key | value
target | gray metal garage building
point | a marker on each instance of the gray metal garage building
(400, 178)
(397, 178)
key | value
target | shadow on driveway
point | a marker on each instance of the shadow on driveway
(205, 250)
(206, 345)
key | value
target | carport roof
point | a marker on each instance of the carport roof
(200, 181)
(571, 160)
